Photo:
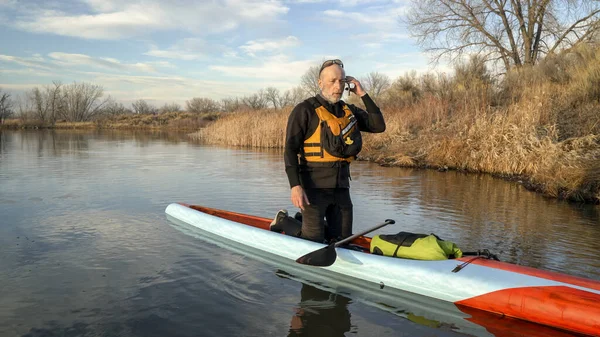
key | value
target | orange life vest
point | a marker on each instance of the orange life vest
(335, 139)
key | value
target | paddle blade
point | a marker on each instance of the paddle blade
(323, 257)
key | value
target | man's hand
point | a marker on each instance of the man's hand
(299, 198)
(358, 89)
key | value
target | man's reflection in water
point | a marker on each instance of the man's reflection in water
(320, 313)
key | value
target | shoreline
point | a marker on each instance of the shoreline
(500, 145)
(405, 153)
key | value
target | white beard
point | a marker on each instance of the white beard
(331, 100)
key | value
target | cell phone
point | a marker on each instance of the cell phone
(349, 85)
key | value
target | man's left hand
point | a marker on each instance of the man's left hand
(358, 89)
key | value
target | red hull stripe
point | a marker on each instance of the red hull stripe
(556, 306)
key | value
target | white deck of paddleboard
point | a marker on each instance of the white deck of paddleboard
(428, 278)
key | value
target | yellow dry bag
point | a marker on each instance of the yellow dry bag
(414, 246)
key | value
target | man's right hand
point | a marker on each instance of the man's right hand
(299, 198)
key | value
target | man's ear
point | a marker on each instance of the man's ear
(320, 84)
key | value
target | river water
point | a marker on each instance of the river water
(86, 248)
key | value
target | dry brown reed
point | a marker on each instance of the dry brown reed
(263, 128)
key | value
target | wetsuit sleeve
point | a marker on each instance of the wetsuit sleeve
(370, 120)
(294, 141)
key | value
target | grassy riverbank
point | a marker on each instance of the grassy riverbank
(539, 126)
(506, 144)
(169, 120)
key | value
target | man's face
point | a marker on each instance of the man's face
(332, 83)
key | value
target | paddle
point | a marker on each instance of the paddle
(326, 256)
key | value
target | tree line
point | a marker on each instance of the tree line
(82, 102)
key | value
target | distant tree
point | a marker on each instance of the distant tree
(231, 104)
(170, 107)
(47, 104)
(202, 105)
(272, 96)
(292, 97)
(376, 83)
(257, 101)
(82, 101)
(142, 107)
(112, 108)
(309, 82)
(404, 91)
(472, 72)
(515, 32)
(25, 109)
(5, 106)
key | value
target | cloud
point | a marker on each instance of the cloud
(100, 26)
(306, 1)
(401, 64)
(277, 67)
(379, 18)
(185, 49)
(381, 37)
(263, 45)
(19, 87)
(36, 61)
(345, 3)
(29, 72)
(111, 19)
(65, 62)
(352, 18)
(373, 45)
(102, 5)
(66, 59)
(377, 40)
(231, 54)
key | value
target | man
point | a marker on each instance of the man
(322, 138)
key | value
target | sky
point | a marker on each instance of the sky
(172, 51)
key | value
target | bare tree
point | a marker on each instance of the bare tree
(25, 107)
(39, 103)
(5, 106)
(142, 107)
(513, 32)
(202, 105)
(231, 104)
(82, 101)
(47, 103)
(272, 96)
(292, 97)
(170, 107)
(309, 82)
(112, 108)
(257, 101)
(376, 83)
(404, 91)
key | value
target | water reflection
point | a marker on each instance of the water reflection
(61, 142)
(479, 211)
(2, 143)
(82, 214)
(320, 313)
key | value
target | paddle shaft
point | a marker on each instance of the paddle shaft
(354, 236)
(324, 257)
